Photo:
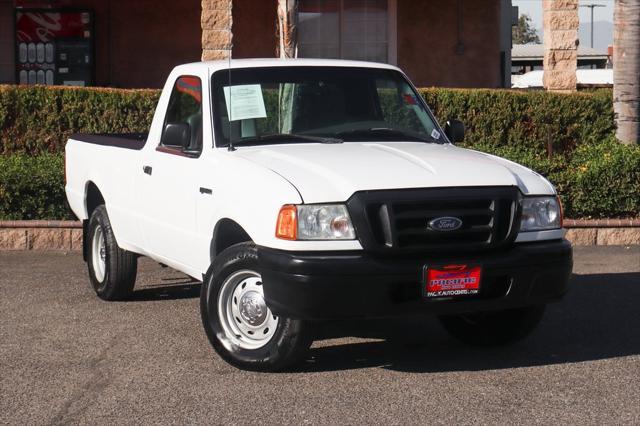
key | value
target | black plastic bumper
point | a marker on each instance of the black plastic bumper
(331, 285)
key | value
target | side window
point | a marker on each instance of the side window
(183, 122)
(400, 107)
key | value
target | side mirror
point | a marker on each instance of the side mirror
(454, 129)
(177, 135)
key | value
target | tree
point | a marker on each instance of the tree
(626, 70)
(287, 29)
(524, 33)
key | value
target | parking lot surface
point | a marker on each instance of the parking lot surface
(67, 357)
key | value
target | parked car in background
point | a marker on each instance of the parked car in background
(585, 78)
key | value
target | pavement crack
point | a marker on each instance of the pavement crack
(86, 393)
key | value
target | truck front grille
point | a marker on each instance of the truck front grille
(398, 220)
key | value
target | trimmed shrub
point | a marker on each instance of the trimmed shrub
(603, 180)
(529, 120)
(32, 187)
(38, 119)
(599, 180)
(595, 175)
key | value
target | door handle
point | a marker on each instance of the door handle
(205, 191)
(147, 169)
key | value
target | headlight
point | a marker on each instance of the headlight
(315, 222)
(540, 213)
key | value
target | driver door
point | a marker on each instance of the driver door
(170, 178)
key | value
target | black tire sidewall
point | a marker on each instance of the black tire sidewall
(98, 219)
(290, 339)
(120, 265)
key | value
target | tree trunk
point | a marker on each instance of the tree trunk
(287, 28)
(626, 70)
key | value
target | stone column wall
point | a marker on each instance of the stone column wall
(216, 22)
(560, 44)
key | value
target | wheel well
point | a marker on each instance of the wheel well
(94, 198)
(227, 233)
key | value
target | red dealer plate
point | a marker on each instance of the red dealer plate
(452, 281)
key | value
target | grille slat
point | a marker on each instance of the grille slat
(426, 231)
(437, 213)
(399, 219)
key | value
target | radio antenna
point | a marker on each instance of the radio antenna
(231, 147)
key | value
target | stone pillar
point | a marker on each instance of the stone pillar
(560, 44)
(216, 21)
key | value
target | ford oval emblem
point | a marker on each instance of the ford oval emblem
(444, 224)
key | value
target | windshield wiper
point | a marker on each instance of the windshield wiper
(285, 137)
(388, 133)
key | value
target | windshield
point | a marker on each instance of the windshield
(275, 105)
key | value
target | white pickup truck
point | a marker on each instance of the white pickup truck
(307, 190)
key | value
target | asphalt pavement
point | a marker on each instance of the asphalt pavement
(67, 357)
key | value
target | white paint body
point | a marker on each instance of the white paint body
(165, 216)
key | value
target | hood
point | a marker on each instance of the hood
(333, 172)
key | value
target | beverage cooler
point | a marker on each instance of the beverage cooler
(54, 46)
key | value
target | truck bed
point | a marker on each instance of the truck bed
(112, 163)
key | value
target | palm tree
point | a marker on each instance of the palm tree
(626, 70)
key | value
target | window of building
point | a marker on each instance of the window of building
(347, 29)
(7, 66)
(183, 121)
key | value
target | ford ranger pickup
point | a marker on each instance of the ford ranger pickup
(299, 191)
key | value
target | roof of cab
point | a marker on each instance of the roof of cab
(214, 66)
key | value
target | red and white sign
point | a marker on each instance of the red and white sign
(452, 280)
(44, 27)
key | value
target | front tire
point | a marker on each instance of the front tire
(112, 270)
(240, 326)
(493, 328)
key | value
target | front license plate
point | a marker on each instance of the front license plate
(451, 281)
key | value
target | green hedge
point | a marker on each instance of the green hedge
(600, 180)
(603, 180)
(32, 187)
(528, 120)
(595, 175)
(40, 119)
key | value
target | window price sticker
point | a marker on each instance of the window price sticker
(244, 102)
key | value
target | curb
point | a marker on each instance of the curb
(601, 223)
(57, 235)
(66, 235)
(64, 224)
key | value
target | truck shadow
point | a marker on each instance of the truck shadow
(176, 288)
(598, 319)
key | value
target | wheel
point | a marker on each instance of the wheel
(494, 328)
(238, 322)
(112, 270)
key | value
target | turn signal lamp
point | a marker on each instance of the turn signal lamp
(287, 225)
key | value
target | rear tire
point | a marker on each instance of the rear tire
(112, 270)
(240, 326)
(493, 328)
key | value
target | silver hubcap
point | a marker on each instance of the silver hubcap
(98, 253)
(243, 312)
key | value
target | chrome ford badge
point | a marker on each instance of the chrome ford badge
(444, 224)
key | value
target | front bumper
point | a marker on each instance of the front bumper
(331, 285)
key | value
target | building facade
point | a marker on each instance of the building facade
(450, 43)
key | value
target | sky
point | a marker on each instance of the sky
(533, 8)
(602, 16)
